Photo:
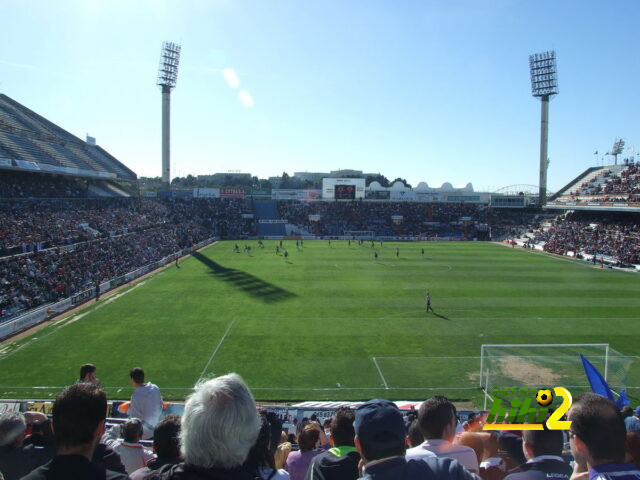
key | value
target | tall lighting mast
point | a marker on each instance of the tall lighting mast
(544, 84)
(167, 77)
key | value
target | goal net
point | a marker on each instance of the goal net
(549, 366)
(360, 234)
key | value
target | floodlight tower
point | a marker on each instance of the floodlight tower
(167, 76)
(544, 84)
(618, 147)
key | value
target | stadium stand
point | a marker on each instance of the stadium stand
(267, 210)
(25, 136)
(613, 238)
(614, 186)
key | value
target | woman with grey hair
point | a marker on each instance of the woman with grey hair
(219, 426)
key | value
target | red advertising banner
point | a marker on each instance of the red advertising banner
(232, 193)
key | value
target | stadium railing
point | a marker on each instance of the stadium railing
(40, 314)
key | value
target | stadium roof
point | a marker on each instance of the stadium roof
(30, 142)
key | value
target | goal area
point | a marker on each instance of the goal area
(549, 365)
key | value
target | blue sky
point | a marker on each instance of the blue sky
(430, 91)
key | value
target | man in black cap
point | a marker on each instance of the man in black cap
(380, 440)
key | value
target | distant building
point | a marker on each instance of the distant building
(310, 176)
(221, 177)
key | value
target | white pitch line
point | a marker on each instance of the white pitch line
(384, 382)
(216, 350)
(69, 320)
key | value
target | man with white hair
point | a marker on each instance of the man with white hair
(219, 426)
(16, 459)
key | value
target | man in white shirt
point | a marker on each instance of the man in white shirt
(146, 402)
(437, 419)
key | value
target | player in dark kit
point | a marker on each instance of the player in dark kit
(397, 252)
(375, 256)
(97, 291)
(428, 302)
(286, 254)
(423, 252)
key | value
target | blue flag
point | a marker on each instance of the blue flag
(599, 384)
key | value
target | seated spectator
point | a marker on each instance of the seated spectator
(543, 450)
(380, 440)
(88, 374)
(220, 424)
(79, 414)
(472, 440)
(298, 462)
(414, 435)
(132, 453)
(597, 437)
(632, 423)
(166, 445)
(17, 458)
(632, 445)
(282, 452)
(341, 461)
(260, 463)
(437, 418)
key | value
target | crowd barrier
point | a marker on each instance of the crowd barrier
(40, 314)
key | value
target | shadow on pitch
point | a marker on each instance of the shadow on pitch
(251, 285)
(439, 315)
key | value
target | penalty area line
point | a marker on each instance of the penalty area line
(384, 382)
(216, 350)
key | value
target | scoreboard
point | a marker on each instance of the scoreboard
(343, 188)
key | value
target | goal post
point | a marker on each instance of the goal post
(360, 234)
(550, 365)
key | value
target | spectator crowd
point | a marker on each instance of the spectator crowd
(596, 234)
(222, 434)
(55, 249)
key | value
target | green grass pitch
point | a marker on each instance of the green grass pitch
(330, 322)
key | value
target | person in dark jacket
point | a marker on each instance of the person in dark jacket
(220, 424)
(380, 440)
(341, 461)
(543, 450)
(166, 445)
(17, 457)
(79, 414)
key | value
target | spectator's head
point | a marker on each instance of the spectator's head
(308, 437)
(132, 430)
(633, 448)
(282, 452)
(220, 423)
(380, 430)
(627, 411)
(79, 414)
(166, 437)
(137, 376)
(474, 441)
(342, 431)
(542, 442)
(597, 434)
(12, 428)
(437, 418)
(88, 373)
(414, 435)
(638, 412)
(260, 454)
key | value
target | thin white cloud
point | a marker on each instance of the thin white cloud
(18, 65)
(246, 99)
(231, 77)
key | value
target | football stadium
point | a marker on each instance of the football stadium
(234, 325)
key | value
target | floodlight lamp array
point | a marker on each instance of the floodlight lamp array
(618, 147)
(169, 61)
(544, 79)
